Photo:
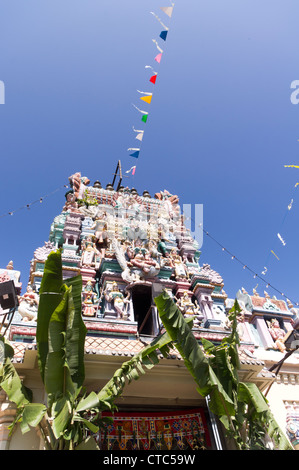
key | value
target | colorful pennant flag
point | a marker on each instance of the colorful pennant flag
(148, 96)
(147, 99)
(153, 79)
(135, 154)
(139, 135)
(167, 10)
(163, 35)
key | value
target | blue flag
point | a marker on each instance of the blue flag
(163, 35)
(135, 154)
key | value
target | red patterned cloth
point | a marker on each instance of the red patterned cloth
(179, 430)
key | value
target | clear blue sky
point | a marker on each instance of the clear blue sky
(221, 123)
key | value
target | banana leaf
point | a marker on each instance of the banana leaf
(33, 413)
(50, 296)
(75, 332)
(250, 394)
(193, 356)
(11, 383)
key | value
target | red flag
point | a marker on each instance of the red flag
(153, 79)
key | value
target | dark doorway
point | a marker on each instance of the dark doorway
(142, 301)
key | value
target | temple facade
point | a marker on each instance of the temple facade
(124, 244)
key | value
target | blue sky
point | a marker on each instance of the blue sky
(221, 124)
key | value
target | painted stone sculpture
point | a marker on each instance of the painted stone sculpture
(118, 300)
(28, 305)
(277, 334)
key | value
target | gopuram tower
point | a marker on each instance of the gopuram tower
(123, 244)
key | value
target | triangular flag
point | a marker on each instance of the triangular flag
(167, 10)
(135, 154)
(163, 35)
(153, 79)
(139, 136)
(147, 99)
(144, 118)
(158, 58)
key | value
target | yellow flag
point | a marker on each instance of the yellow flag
(147, 99)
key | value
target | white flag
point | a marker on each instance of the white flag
(167, 10)
(281, 239)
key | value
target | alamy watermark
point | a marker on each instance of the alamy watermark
(149, 224)
(2, 92)
(295, 94)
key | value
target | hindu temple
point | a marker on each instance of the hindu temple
(124, 244)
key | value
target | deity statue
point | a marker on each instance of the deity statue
(78, 184)
(277, 334)
(28, 304)
(89, 302)
(141, 258)
(89, 253)
(70, 205)
(180, 269)
(187, 307)
(118, 300)
(100, 227)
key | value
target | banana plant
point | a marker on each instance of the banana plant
(70, 416)
(240, 406)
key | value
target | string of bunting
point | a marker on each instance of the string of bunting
(40, 200)
(146, 96)
(281, 238)
(244, 265)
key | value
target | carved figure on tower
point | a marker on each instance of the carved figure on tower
(118, 300)
(187, 307)
(178, 265)
(90, 253)
(90, 300)
(78, 184)
(28, 304)
(277, 334)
